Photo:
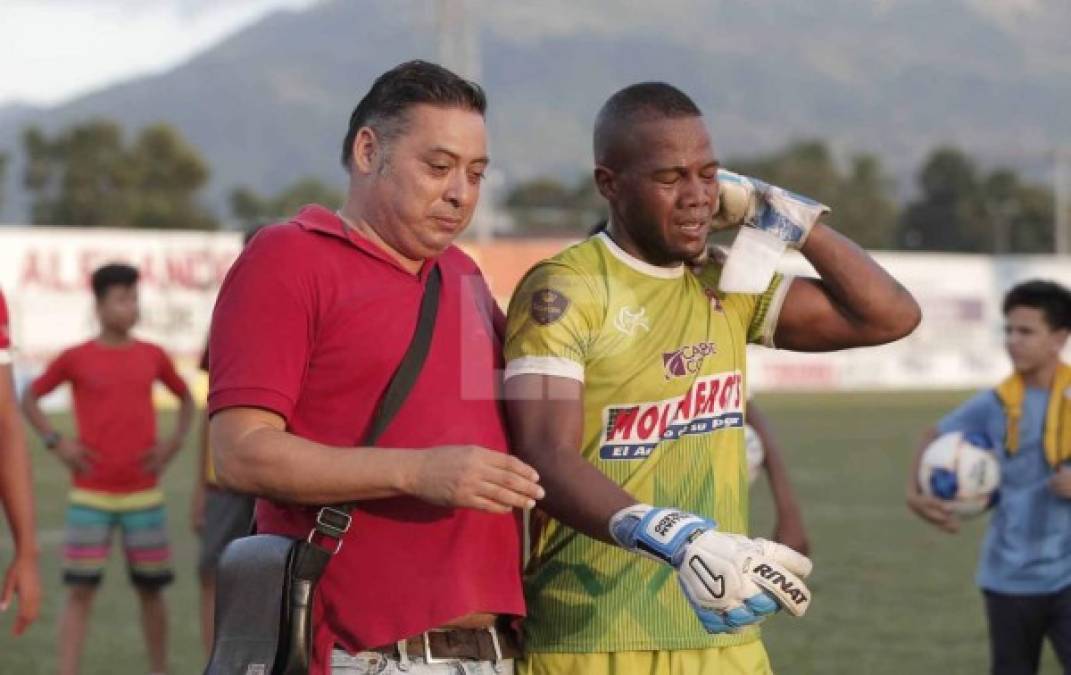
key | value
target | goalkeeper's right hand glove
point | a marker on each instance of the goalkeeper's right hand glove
(731, 581)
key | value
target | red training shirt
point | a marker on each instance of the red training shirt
(112, 389)
(311, 323)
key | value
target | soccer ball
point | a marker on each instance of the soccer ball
(961, 471)
(755, 452)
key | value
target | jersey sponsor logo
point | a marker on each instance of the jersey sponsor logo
(632, 432)
(548, 305)
(628, 321)
(687, 360)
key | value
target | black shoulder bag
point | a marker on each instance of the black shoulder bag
(265, 582)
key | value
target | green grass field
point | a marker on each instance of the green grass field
(892, 595)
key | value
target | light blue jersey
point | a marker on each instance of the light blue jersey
(1027, 549)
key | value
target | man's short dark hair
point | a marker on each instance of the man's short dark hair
(638, 103)
(113, 274)
(384, 107)
(1051, 298)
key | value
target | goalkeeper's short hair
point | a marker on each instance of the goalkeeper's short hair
(637, 103)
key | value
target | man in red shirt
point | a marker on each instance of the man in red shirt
(310, 325)
(116, 462)
(16, 495)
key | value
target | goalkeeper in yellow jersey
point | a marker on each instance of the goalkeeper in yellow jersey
(625, 384)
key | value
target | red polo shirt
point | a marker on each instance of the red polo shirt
(311, 323)
(112, 391)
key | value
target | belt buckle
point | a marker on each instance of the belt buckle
(428, 657)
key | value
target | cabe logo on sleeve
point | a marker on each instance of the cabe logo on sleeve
(632, 432)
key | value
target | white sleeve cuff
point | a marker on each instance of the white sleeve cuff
(773, 312)
(556, 366)
(5, 357)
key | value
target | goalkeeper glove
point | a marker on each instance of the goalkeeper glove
(730, 581)
(744, 201)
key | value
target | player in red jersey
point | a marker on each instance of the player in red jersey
(115, 461)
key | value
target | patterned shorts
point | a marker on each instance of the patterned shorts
(91, 519)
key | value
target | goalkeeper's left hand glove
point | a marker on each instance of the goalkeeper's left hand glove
(745, 201)
(731, 581)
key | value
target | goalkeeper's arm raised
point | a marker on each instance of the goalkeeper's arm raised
(854, 303)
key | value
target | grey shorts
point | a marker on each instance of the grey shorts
(228, 516)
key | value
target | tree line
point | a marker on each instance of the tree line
(958, 206)
(89, 175)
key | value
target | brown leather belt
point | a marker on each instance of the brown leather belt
(455, 644)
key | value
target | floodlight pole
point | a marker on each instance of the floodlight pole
(458, 38)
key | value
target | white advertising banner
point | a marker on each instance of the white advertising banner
(44, 274)
(958, 345)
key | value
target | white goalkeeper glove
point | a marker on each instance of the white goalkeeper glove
(730, 581)
(750, 202)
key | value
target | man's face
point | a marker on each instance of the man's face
(118, 309)
(1030, 341)
(427, 181)
(667, 189)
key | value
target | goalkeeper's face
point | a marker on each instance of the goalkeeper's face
(668, 189)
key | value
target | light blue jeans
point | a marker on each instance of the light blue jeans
(374, 663)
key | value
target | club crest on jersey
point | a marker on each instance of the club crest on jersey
(687, 360)
(628, 321)
(548, 306)
(712, 403)
(715, 301)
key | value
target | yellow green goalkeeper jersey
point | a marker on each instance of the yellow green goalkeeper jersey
(661, 353)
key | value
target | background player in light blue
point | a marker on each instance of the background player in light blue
(1025, 566)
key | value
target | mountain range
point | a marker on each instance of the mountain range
(269, 104)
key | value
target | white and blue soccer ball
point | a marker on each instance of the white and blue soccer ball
(962, 471)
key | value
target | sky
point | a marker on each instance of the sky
(55, 50)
